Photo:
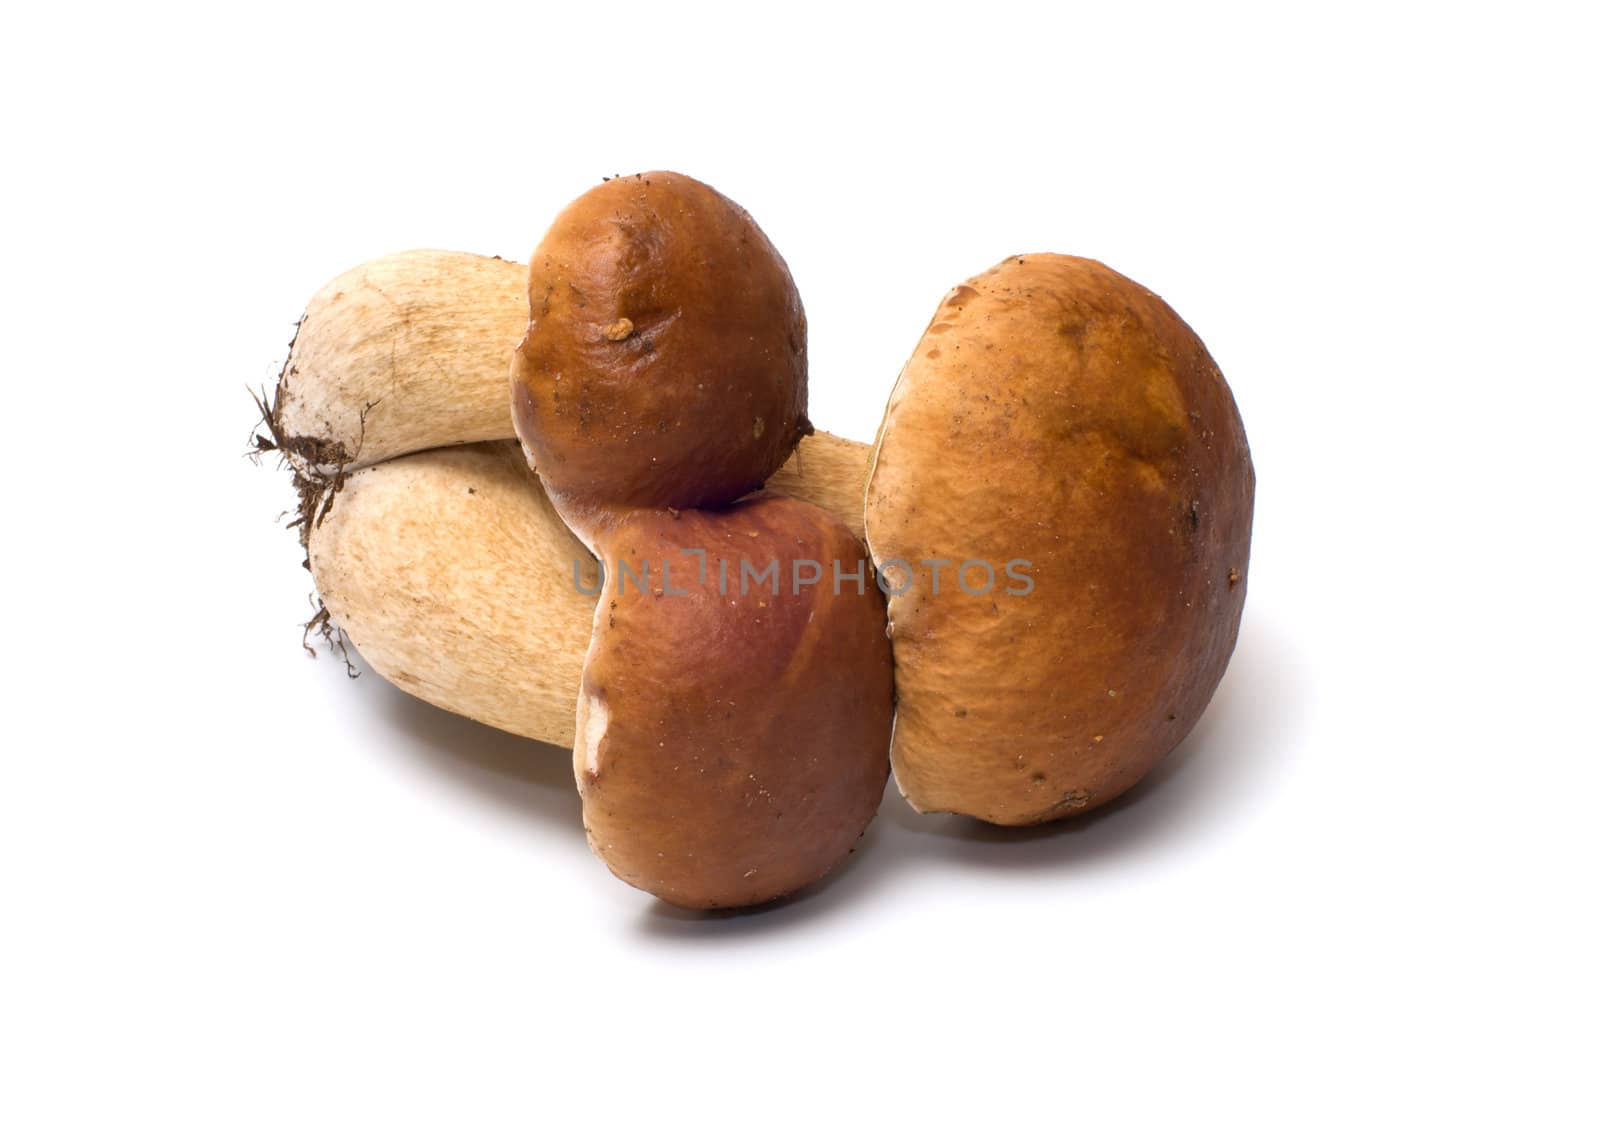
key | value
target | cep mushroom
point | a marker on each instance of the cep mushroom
(1062, 447)
(1106, 584)
(731, 745)
(457, 582)
(442, 563)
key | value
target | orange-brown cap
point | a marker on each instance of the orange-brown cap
(665, 359)
(733, 723)
(1062, 433)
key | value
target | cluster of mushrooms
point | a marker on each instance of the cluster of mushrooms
(1023, 595)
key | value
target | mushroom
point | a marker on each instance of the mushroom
(1074, 636)
(731, 745)
(442, 563)
(457, 582)
(1061, 496)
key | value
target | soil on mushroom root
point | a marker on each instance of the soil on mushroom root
(324, 467)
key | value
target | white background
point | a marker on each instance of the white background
(243, 898)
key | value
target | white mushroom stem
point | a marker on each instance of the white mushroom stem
(403, 353)
(454, 578)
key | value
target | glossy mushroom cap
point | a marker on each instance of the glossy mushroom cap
(665, 359)
(1058, 414)
(733, 732)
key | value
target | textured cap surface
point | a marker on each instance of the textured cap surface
(664, 363)
(1060, 414)
(733, 740)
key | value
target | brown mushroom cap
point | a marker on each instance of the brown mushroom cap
(665, 359)
(1057, 413)
(733, 743)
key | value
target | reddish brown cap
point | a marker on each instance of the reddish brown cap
(733, 732)
(665, 359)
(1062, 429)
